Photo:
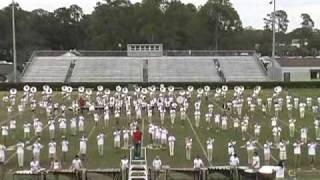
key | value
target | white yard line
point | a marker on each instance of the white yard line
(198, 140)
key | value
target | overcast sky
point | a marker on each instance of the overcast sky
(251, 12)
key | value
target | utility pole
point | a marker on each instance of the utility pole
(14, 44)
(273, 36)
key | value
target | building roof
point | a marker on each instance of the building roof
(299, 62)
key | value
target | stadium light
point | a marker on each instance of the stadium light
(14, 44)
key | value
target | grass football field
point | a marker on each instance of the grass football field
(112, 156)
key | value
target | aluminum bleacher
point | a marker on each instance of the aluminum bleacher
(182, 69)
(86, 66)
(47, 69)
(107, 69)
(242, 68)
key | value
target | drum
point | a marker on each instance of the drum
(250, 174)
(267, 173)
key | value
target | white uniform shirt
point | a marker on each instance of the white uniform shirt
(52, 147)
(312, 148)
(197, 163)
(65, 146)
(100, 139)
(36, 147)
(297, 148)
(171, 139)
(117, 136)
(26, 128)
(157, 164)
(256, 162)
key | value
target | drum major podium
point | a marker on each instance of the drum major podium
(138, 167)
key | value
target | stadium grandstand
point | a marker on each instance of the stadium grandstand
(144, 63)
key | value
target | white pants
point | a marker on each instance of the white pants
(171, 148)
(20, 159)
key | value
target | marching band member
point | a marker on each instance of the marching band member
(236, 124)
(20, 153)
(172, 116)
(302, 109)
(156, 164)
(283, 150)
(76, 166)
(55, 165)
(208, 120)
(256, 161)
(64, 148)
(244, 128)
(81, 124)
(36, 150)
(183, 115)
(312, 146)
(231, 147)
(197, 116)
(126, 136)
(234, 163)
(26, 130)
(210, 142)
(63, 126)
(157, 139)
(83, 147)
(224, 121)
(171, 140)
(267, 152)
(257, 129)
(34, 166)
(276, 132)
(188, 142)
(304, 135)
(100, 141)
(38, 128)
(73, 126)
(96, 118)
(164, 133)
(292, 127)
(52, 149)
(5, 133)
(117, 138)
(12, 127)
(106, 117)
(51, 128)
(162, 115)
(317, 128)
(250, 146)
(3, 151)
(217, 121)
(197, 165)
(297, 152)
(124, 165)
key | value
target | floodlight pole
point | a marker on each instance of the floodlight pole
(14, 44)
(273, 36)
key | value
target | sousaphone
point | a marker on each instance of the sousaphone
(118, 88)
(13, 91)
(33, 90)
(190, 88)
(207, 88)
(200, 91)
(125, 90)
(171, 88)
(81, 89)
(26, 88)
(224, 88)
(278, 89)
(100, 88)
(88, 91)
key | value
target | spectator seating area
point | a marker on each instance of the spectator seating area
(47, 69)
(73, 68)
(182, 69)
(107, 69)
(242, 68)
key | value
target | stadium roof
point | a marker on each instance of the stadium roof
(299, 62)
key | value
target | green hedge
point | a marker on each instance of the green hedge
(111, 85)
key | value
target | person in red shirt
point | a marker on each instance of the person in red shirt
(82, 103)
(137, 137)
